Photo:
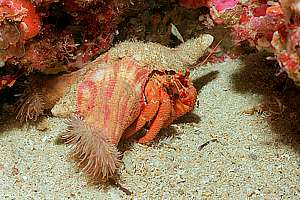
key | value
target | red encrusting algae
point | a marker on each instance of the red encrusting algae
(19, 21)
(24, 12)
(194, 4)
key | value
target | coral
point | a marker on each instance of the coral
(287, 52)
(194, 4)
(221, 11)
(18, 23)
(258, 31)
(86, 29)
(50, 55)
(24, 14)
(222, 5)
(268, 26)
(73, 33)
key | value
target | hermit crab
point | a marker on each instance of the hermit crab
(113, 97)
(168, 96)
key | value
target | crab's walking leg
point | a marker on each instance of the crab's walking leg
(147, 114)
(162, 118)
(149, 111)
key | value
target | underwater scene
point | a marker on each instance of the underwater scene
(149, 99)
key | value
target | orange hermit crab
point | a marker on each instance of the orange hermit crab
(167, 97)
(114, 96)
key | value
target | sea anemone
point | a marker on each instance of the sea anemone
(30, 106)
(96, 156)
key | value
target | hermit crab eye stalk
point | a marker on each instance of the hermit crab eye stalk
(169, 77)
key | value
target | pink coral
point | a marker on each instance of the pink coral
(257, 25)
(287, 51)
(222, 5)
(273, 27)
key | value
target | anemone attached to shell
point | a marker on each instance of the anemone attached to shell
(96, 156)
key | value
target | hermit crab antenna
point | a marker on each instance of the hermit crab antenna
(187, 72)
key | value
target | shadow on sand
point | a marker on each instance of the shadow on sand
(281, 98)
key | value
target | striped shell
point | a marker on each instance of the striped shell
(108, 99)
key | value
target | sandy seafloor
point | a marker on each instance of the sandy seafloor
(251, 156)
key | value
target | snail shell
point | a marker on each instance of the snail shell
(108, 99)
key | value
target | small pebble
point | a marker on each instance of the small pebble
(43, 125)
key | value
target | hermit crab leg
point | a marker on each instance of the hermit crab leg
(162, 118)
(149, 111)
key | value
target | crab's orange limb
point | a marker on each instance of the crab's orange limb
(162, 118)
(146, 115)
(152, 93)
(130, 131)
(181, 109)
(186, 104)
(149, 111)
